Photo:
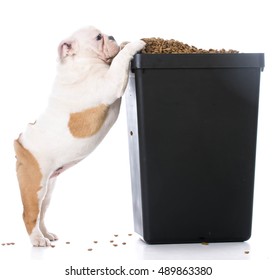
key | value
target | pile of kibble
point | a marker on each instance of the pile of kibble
(161, 46)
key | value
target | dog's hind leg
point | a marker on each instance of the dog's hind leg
(33, 187)
(44, 206)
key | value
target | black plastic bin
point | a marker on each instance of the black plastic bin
(192, 121)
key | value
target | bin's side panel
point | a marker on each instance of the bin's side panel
(134, 153)
(197, 142)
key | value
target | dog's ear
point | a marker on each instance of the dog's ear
(67, 48)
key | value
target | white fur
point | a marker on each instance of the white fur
(84, 80)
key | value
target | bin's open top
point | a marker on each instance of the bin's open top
(171, 61)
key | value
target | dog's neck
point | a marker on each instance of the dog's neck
(76, 70)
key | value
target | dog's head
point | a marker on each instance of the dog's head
(88, 42)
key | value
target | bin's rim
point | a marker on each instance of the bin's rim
(173, 61)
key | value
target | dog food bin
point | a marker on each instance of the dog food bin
(192, 124)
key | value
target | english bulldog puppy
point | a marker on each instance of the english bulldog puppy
(92, 75)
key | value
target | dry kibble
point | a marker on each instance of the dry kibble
(115, 245)
(161, 46)
(111, 241)
(130, 234)
(115, 235)
(89, 249)
(8, 243)
(124, 243)
(95, 242)
(246, 252)
(67, 242)
(53, 246)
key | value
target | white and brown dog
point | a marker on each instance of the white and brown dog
(91, 77)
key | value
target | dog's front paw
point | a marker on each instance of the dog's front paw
(38, 240)
(135, 47)
(123, 44)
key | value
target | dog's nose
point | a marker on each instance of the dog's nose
(111, 38)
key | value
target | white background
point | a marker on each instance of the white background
(92, 201)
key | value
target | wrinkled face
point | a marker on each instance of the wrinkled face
(89, 42)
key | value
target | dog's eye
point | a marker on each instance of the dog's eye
(99, 37)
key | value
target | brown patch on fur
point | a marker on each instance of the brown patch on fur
(88, 122)
(29, 178)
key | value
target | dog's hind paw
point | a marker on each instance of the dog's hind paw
(39, 240)
(50, 236)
